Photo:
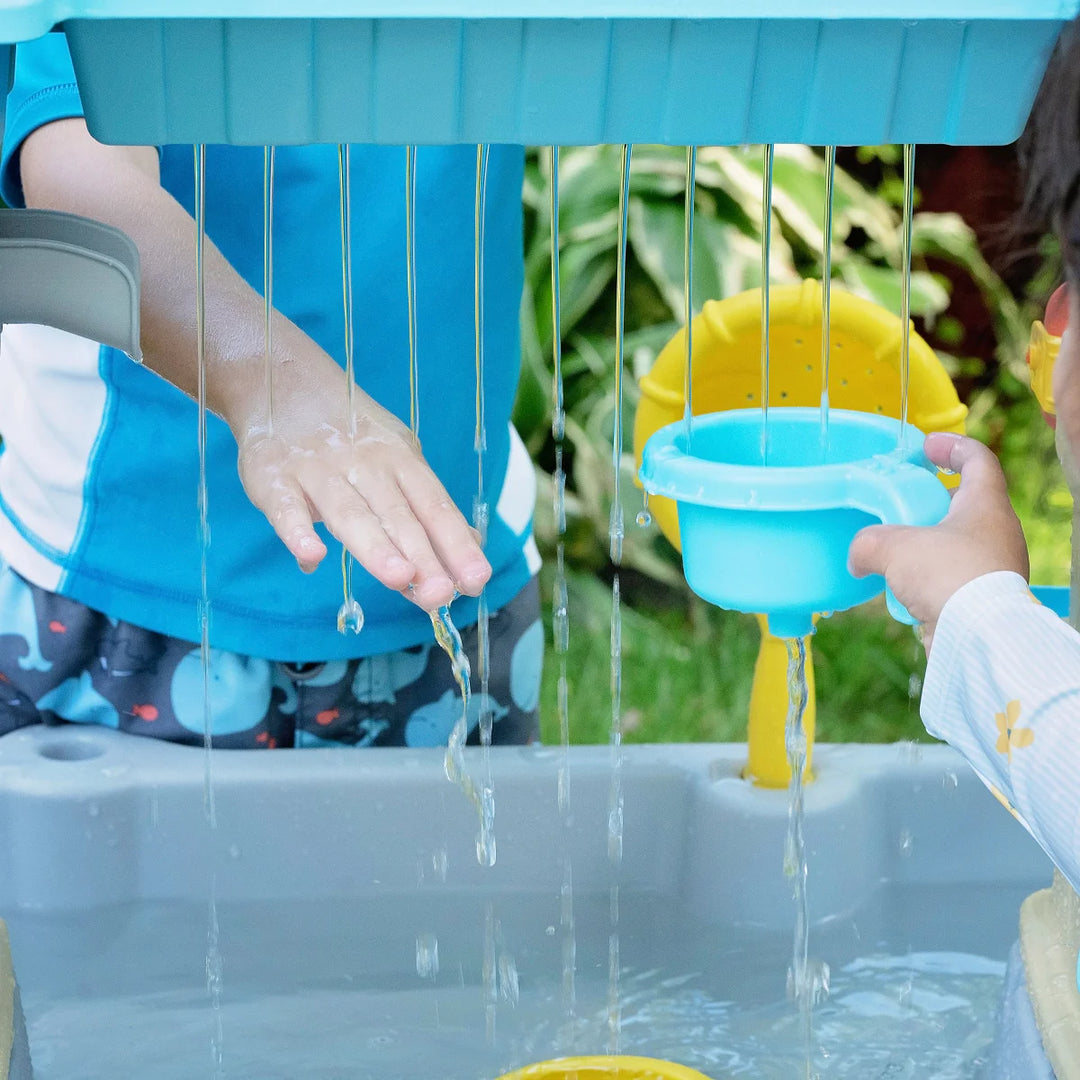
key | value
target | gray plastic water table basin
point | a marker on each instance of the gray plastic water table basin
(334, 874)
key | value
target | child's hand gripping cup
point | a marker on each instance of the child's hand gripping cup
(768, 530)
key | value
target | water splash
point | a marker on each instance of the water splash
(826, 294)
(766, 245)
(905, 283)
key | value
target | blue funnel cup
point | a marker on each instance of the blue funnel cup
(773, 538)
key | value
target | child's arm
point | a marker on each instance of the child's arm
(1003, 687)
(375, 494)
(1003, 673)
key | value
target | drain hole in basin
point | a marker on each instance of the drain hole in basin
(71, 750)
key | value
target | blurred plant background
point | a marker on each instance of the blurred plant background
(687, 667)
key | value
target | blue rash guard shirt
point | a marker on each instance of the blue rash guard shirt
(99, 464)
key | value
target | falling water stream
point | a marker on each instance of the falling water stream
(616, 532)
(350, 618)
(807, 980)
(688, 291)
(766, 245)
(486, 843)
(826, 294)
(560, 622)
(213, 951)
(268, 281)
(905, 283)
(410, 285)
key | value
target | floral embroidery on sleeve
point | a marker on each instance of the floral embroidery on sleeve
(1011, 737)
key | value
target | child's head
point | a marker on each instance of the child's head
(1050, 154)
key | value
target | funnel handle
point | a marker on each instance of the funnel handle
(898, 493)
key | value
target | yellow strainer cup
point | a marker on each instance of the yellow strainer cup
(605, 1068)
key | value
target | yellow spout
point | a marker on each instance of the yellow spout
(768, 763)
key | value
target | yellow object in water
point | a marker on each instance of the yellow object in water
(605, 1068)
(864, 374)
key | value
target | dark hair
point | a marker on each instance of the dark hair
(1050, 151)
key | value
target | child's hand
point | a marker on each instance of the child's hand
(375, 492)
(980, 534)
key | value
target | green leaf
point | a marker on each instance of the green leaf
(928, 297)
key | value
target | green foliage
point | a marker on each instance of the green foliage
(688, 668)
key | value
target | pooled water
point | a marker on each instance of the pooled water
(114, 992)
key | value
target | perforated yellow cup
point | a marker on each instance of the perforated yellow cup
(606, 1068)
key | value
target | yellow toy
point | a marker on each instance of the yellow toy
(864, 374)
(1043, 351)
(605, 1068)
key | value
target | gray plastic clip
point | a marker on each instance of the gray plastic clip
(72, 273)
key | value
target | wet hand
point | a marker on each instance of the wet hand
(979, 535)
(371, 487)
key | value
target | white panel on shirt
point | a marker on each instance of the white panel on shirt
(517, 500)
(52, 401)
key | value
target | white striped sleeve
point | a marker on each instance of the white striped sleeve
(1003, 687)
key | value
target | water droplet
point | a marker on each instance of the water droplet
(549, 930)
(558, 425)
(350, 617)
(234, 851)
(914, 686)
(643, 519)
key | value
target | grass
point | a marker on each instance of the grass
(686, 677)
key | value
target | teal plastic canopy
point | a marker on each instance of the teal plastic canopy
(551, 71)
